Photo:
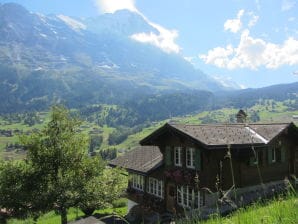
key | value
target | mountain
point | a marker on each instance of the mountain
(248, 97)
(56, 58)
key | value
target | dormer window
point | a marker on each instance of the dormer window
(177, 156)
(190, 159)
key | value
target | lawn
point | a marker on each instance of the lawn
(73, 214)
(277, 211)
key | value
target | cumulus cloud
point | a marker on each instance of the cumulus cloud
(110, 6)
(252, 53)
(165, 39)
(234, 25)
(287, 5)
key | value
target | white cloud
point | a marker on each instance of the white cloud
(189, 59)
(253, 20)
(287, 5)
(74, 24)
(252, 53)
(110, 6)
(165, 39)
(234, 25)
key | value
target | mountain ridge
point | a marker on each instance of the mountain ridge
(60, 59)
(54, 58)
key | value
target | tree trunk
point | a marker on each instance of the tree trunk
(63, 214)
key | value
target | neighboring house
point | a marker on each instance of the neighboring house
(185, 167)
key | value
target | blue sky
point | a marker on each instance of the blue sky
(254, 43)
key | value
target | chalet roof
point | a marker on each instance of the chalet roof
(142, 159)
(223, 134)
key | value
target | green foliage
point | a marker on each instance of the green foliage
(121, 133)
(58, 152)
(108, 154)
(20, 189)
(95, 142)
(101, 192)
(122, 202)
(57, 173)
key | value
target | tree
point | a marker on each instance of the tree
(57, 153)
(57, 173)
(100, 192)
(21, 190)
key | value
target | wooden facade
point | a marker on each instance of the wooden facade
(198, 160)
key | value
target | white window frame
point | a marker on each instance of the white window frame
(190, 162)
(155, 187)
(186, 196)
(137, 182)
(177, 156)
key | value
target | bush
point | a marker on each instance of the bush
(122, 202)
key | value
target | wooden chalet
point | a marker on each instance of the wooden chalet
(184, 167)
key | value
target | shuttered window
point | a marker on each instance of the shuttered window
(155, 187)
(177, 156)
(137, 181)
(188, 197)
(190, 158)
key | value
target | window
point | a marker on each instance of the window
(155, 187)
(273, 154)
(137, 181)
(177, 156)
(188, 197)
(190, 160)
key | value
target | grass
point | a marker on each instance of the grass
(73, 214)
(277, 211)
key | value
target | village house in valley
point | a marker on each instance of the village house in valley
(181, 167)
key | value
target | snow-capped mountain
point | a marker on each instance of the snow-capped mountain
(45, 58)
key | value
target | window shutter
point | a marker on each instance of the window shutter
(197, 154)
(168, 155)
(269, 155)
(283, 155)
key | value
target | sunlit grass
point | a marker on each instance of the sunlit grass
(277, 211)
(73, 214)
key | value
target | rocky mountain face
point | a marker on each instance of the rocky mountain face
(55, 58)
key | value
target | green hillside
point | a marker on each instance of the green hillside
(103, 124)
(279, 210)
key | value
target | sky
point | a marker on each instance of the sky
(252, 42)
